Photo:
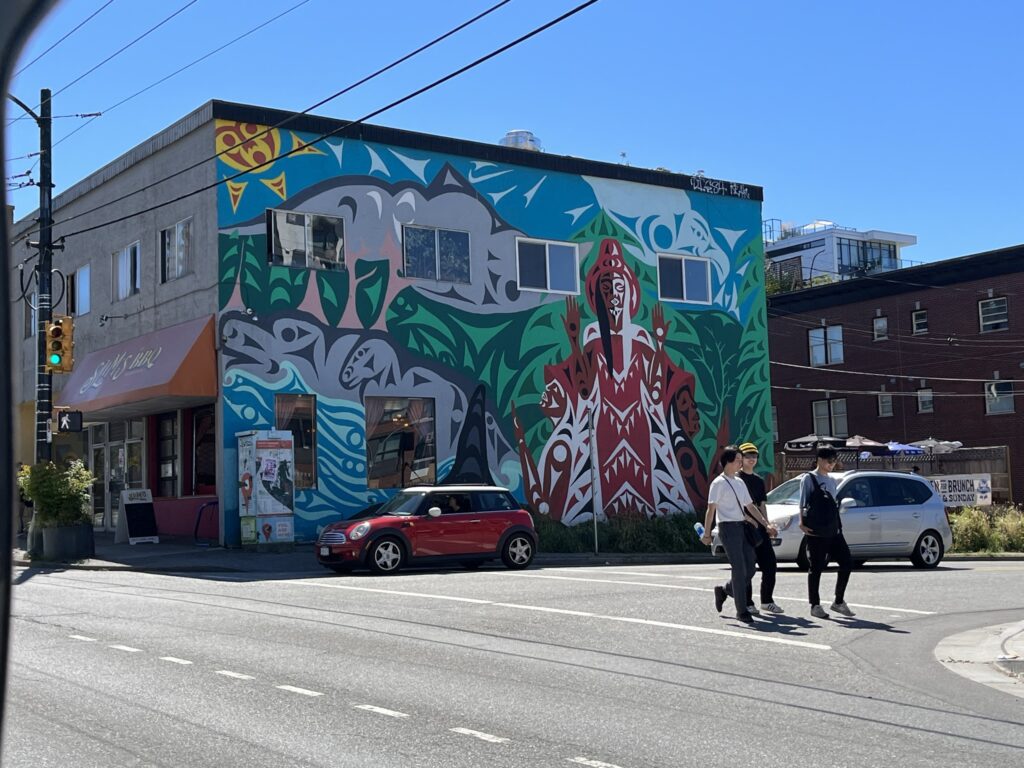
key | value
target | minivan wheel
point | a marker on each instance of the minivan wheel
(928, 551)
(518, 551)
(386, 556)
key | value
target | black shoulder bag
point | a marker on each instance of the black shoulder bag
(751, 530)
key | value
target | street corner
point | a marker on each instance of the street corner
(992, 656)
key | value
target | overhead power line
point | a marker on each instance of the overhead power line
(883, 375)
(69, 34)
(873, 392)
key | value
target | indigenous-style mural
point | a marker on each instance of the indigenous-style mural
(594, 397)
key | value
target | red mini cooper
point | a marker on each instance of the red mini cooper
(467, 523)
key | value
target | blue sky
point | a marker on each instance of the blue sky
(876, 115)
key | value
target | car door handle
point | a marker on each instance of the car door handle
(872, 517)
(474, 521)
(916, 515)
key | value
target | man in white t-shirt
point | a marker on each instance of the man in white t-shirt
(729, 500)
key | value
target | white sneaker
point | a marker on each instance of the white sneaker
(842, 608)
(771, 608)
(752, 610)
(818, 612)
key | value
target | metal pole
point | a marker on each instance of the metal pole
(44, 379)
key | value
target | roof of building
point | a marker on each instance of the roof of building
(935, 275)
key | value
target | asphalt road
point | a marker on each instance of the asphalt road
(615, 666)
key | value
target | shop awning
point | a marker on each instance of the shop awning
(175, 367)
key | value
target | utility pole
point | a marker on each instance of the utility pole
(44, 301)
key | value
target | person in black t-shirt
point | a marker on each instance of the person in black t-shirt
(764, 552)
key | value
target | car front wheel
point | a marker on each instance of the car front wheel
(518, 551)
(928, 551)
(386, 556)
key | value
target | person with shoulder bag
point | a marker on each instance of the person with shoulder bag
(729, 500)
(823, 533)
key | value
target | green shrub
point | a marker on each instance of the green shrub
(59, 496)
(620, 535)
(972, 531)
(1009, 529)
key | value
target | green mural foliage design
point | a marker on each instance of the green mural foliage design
(333, 287)
(371, 289)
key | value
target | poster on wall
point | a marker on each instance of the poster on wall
(964, 490)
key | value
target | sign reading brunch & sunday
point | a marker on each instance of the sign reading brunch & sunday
(964, 490)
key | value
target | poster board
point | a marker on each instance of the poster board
(136, 522)
(964, 490)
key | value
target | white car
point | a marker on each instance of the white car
(885, 515)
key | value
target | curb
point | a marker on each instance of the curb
(1011, 667)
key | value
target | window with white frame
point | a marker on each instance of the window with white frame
(825, 345)
(830, 417)
(436, 254)
(546, 265)
(998, 397)
(925, 401)
(684, 278)
(31, 318)
(992, 315)
(884, 406)
(175, 251)
(880, 328)
(79, 290)
(919, 320)
(775, 424)
(125, 272)
(305, 240)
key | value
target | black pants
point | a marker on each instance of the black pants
(764, 554)
(821, 549)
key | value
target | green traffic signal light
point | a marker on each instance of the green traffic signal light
(54, 359)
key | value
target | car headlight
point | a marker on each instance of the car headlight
(786, 523)
(359, 531)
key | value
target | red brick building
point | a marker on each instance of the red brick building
(928, 351)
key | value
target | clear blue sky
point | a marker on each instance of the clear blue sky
(903, 116)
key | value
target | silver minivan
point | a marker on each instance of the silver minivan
(885, 515)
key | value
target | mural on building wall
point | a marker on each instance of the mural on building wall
(604, 400)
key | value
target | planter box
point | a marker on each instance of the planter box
(72, 542)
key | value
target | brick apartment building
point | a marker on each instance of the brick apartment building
(927, 351)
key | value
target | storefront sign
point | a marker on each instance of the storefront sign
(964, 490)
(123, 362)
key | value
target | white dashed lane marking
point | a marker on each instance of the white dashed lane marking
(83, 638)
(481, 735)
(236, 675)
(125, 648)
(592, 763)
(379, 710)
(303, 691)
(175, 660)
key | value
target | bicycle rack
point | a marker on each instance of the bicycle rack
(199, 519)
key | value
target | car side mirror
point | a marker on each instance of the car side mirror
(434, 511)
(848, 502)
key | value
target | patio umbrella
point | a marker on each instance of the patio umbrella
(810, 442)
(931, 445)
(901, 449)
(862, 443)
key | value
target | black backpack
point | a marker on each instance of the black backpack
(821, 514)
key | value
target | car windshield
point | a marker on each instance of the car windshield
(404, 503)
(787, 493)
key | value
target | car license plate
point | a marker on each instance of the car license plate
(325, 551)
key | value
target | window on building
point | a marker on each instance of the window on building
(436, 254)
(684, 278)
(31, 318)
(305, 240)
(175, 251)
(880, 328)
(919, 320)
(297, 413)
(400, 442)
(167, 454)
(992, 315)
(825, 345)
(775, 424)
(998, 397)
(125, 272)
(925, 401)
(548, 266)
(884, 406)
(830, 417)
(79, 291)
(204, 456)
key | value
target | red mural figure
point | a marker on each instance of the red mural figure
(623, 413)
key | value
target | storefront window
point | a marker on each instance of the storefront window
(400, 442)
(167, 431)
(204, 459)
(297, 413)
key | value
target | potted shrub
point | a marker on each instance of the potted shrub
(60, 499)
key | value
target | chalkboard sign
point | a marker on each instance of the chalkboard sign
(137, 522)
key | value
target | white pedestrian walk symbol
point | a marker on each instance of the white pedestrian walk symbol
(65, 421)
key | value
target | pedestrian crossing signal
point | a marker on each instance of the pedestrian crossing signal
(60, 345)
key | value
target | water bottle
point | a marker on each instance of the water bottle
(699, 528)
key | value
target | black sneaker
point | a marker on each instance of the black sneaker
(746, 618)
(720, 598)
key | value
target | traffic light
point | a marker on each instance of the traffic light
(60, 345)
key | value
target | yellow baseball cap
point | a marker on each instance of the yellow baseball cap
(748, 448)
